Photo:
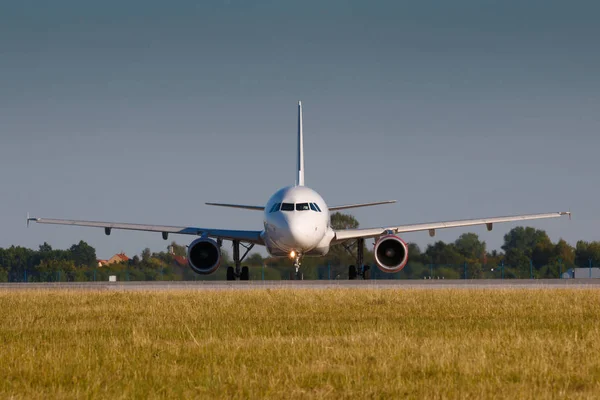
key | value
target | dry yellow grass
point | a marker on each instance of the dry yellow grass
(301, 344)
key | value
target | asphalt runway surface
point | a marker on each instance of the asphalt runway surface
(322, 284)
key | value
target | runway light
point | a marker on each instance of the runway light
(293, 254)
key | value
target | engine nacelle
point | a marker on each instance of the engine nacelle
(391, 254)
(204, 256)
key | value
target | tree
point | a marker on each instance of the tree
(339, 221)
(584, 251)
(178, 250)
(470, 247)
(564, 252)
(524, 239)
(520, 243)
(146, 254)
(16, 260)
(45, 248)
(53, 270)
(542, 254)
(414, 253)
(442, 253)
(343, 221)
(83, 254)
(254, 259)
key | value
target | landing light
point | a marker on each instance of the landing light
(292, 254)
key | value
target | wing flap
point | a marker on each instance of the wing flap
(348, 234)
(246, 236)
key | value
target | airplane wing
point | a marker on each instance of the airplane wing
(245, 236)
(347, 234)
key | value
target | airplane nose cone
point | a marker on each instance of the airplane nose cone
(302, 236)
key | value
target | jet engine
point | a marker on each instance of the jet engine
(391, 253)
(204, 256)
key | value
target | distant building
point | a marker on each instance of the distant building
(117, 258)
(181, 261)
(579, 273)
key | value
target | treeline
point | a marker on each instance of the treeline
(526, 253)
(79, 264)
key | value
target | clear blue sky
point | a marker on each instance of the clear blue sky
(140, 111)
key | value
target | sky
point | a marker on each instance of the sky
(142, 111)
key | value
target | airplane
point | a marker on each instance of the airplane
(296, 225)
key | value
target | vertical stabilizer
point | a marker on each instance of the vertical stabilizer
(300, 177)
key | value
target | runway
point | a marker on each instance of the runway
(321, 284)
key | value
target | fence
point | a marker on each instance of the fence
(323, 272)
(459, 271)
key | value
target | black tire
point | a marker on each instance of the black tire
(366, 272)
(245, 276)
(230, 274)
(352, 272)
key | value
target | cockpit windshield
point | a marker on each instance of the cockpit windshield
(287, 206)
(302, 207)
(298, 207)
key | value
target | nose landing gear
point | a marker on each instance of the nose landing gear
(297, 264)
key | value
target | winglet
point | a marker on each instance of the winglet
(300, 169)
(29, 219)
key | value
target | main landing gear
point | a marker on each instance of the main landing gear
(243, 273)
(353, 271)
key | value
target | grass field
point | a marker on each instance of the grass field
(467, 343)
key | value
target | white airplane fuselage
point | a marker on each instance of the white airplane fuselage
(296, 222)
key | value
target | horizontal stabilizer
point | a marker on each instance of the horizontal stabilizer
(338, 208)
(246, 207)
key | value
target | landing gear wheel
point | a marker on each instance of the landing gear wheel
(352, 273)
(230, 274)
(245, 275)
(366, 272)
(242, 273)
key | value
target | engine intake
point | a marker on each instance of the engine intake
(204, 256)
(391, 254)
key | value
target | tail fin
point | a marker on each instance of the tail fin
(300, 177)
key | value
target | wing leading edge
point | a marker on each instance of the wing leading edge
(366, 233)
(246, 236)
